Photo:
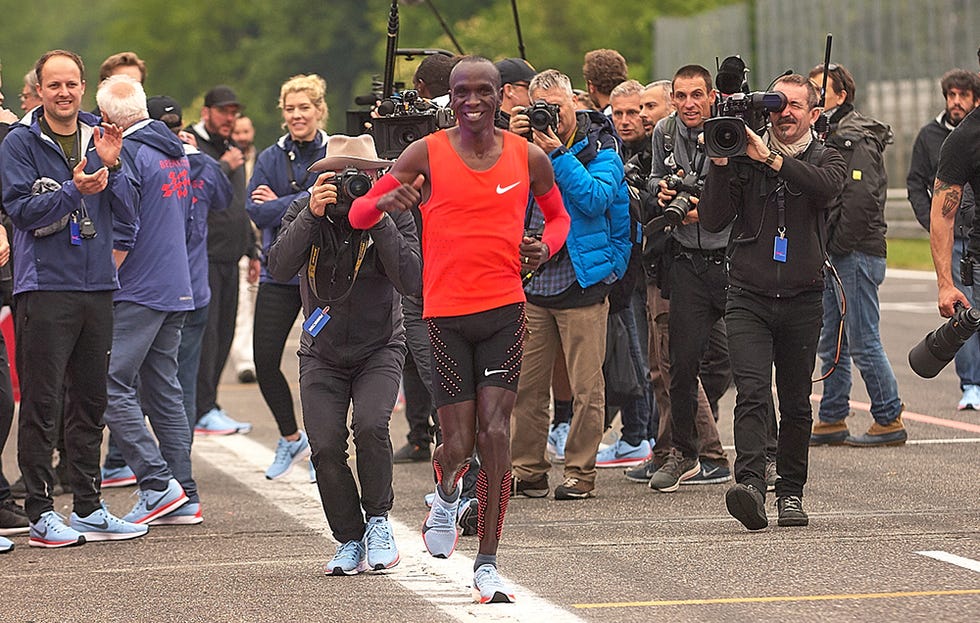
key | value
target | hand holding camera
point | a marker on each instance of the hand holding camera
(539, 123)
(323, 193)
(679, 195)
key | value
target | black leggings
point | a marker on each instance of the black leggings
(276, 308)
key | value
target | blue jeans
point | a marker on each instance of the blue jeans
(860, 274)
(189, 360)
(636, 413)
(144, 353)
(968, 356)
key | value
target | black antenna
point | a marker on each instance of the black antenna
(388, 86)
(826, 69)
(445, 26)
(517, 25)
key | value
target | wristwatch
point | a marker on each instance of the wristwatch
(115, 167)
(772, 157)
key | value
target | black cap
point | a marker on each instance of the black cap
(166, 109)
(221, 95)
(515, 70)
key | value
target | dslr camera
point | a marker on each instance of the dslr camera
(724, 132)
(686, 187)
(351, 184)
(542, 116)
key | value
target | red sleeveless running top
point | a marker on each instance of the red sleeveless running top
(473, 223)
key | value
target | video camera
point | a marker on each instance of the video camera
(736, 109)
(404, 118)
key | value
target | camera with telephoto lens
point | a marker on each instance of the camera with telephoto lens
(724, 132)
(542, 116)
(686, 187)
(351, 184)
(930, 356)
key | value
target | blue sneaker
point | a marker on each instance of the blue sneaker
(117, 477)
(556, 441)
(211, 423)
(5, 545)
(153, 504)
(312, 473)
(349, 559)
(187, 515)
(52, 531)
(488, 588)
(240, 427)
(379, 542)
(102, 525)
(622, 454)
(439, 532)
(971, 398)
(712, 473)
(288, 454)
(428, 499)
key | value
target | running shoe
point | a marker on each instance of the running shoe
(622, 454)
(5, 545)
(439, 531)
(211, 423)
(187, 515)
(379, 542)
(557, 439)
(102, 525)
(288, 454)
(117, 477)
(153, 504)
(349, 559)
(52, 531)
(488, 588)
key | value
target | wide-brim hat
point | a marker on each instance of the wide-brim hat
(350, 151)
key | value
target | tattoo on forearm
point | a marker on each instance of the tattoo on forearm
(952, 194)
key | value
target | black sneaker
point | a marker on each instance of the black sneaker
(18, 490)
(536, 488)
(574, 489)
(411, 453)
(13, 519)
(468, 516)
(748, 505)
(643, 472)
(791, 511)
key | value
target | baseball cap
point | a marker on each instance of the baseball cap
(515, 70)
(221, 95)
(166, 109)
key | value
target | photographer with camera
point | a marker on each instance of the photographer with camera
(857, 249)
(353, 343)
(567, 304)
(778, 198)
(692, 280)
(282, 176)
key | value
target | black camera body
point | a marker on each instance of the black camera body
(687, 187)
(724, 133)
(542, 116)
(351, 184)
(403, 119)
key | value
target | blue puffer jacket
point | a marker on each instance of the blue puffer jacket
(270, 169)
(155, 273)
(597, 201)
(38, 191)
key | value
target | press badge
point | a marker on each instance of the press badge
(76, 234)
(779, 249)
(317, 320)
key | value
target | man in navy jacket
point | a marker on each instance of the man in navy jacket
(65, 195)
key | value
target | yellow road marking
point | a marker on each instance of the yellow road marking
(764, 600)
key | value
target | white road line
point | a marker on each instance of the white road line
(443, 583)
(953, 559)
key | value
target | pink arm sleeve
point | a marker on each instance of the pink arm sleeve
(556, 220)
(364, 213)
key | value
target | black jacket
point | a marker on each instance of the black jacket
(230, 234)
(369, 315)
(857, 216)
(745, 194)
(922, 175)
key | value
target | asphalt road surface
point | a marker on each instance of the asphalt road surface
(894, 535)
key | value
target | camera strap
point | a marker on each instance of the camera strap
(314, 260)
(290, 156)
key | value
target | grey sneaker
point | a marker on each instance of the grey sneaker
(675, 470)
(791, 511)
(642, 472)
(771, 475)
(439, 532)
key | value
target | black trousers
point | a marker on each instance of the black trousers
(276, 308)
(6, 411)
(423, 423)
(764, 332)
(327, 392)
(223, 279)
(62, 336)
(697, 302)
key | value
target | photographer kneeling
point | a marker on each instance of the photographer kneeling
(776, 200)
(353, 343)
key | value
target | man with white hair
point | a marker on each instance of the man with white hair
(63, 186)
(149, 309)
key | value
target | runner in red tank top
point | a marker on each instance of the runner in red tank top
(473, 243)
